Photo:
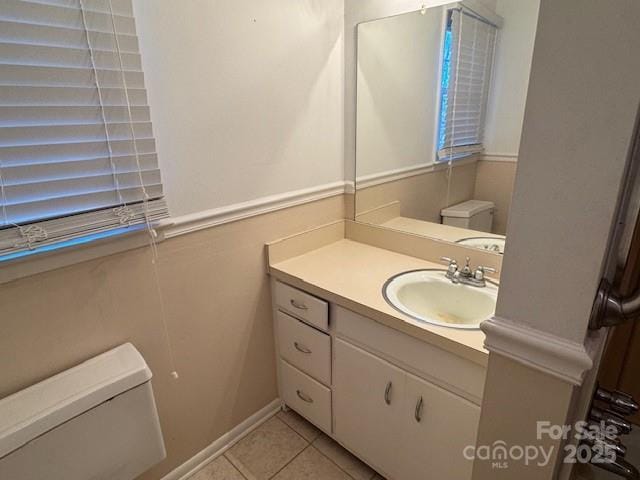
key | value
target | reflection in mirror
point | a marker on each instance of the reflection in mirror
(440, 105)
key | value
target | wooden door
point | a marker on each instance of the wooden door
(368, 394)
(620, 366)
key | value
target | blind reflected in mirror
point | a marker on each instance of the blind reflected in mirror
(440, 105)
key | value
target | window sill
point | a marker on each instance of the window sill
(43, 261)
(460, 158)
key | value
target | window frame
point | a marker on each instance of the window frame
(441, 118)
(81, 228)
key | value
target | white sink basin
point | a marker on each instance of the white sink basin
(429, 296)
(492, 244)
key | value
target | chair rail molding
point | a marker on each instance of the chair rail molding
(194, 222)
(550, 354)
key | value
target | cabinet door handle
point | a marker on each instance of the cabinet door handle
(301, 348)
(418, 413)
(387, 393)
(299, 306)
(304, 397)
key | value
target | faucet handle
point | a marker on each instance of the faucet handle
(481, 271)
(453, 266)
(450, 261)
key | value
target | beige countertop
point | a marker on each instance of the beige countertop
(434, 230)
(352, 274)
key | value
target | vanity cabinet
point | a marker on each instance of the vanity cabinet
(437, 427)
(408, 426)
(368, 398)
(402, 405)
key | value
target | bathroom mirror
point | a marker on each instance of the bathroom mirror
(440, 104)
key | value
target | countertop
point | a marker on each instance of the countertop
(435, 230)
(352, 274)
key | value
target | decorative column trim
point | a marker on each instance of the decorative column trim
(542, 351)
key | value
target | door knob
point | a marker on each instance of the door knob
(611, 419)
(618, 402)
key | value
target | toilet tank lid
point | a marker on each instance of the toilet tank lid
(467, 209)
(39, 408)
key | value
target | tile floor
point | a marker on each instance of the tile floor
(286, 447)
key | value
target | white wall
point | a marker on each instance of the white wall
(355, 12)
(246, 96)
(505, 110)
(579, 120)
(397, 90)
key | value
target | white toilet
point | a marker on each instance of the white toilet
(95, 421)
(472, 215)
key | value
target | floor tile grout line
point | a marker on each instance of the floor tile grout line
(293, 429)
(230, 447)
(233, 461)
(224, 455)
(310, 444)
(289, 462)
(336, 464)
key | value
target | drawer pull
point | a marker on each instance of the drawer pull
(302, 348)
(387, 393)
(299, 306)
(304, 397)
(418, 413)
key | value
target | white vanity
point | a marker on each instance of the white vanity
(399, 401)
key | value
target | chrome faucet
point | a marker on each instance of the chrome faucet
(466, 275)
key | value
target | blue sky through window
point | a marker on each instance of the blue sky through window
(70, 243)
(444, 84)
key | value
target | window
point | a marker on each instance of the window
(77, 153)
(469, 44)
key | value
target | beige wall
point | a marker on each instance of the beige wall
(421, 196)
(216, 298)
(494, 182)
(511, 411)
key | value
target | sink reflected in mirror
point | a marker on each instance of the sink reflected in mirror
(429, 296)
(492, 244)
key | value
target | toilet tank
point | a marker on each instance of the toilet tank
(472, 214)
(97, 420)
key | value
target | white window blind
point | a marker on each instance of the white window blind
(468, 77)
(77, 153)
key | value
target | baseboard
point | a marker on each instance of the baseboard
(223, 443)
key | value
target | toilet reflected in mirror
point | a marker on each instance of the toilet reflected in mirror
(440, 106)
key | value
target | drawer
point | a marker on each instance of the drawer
(303, 394)
(302, 305)
(304, 347)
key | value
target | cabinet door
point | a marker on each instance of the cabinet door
(368, 399)
(438, 427)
